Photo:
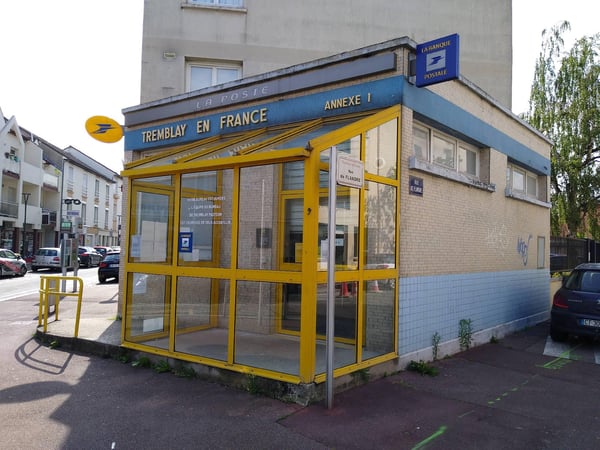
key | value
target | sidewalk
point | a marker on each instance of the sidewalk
(99, 330)
(497, 396)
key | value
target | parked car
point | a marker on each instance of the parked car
(103, 250)
(46, 258)
(11, 263)
(109, 267)
(576, 304)
(89, 257)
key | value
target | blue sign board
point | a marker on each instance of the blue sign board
(186, 240)
(415, 186)
(437, 61)
(363, 97)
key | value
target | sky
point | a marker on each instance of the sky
(68, 60)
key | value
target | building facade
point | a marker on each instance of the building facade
(441, 219)
(42, 183)
(192, 44)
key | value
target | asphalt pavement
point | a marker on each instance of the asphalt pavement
(521, 392)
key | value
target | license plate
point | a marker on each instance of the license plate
(116, 265)
(590, 323)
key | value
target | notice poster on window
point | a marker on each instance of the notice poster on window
(153, 241)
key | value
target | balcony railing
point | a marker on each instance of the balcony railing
(9, 209)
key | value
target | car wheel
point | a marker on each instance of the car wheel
(558, 336)
(102, 279)
(34, 269)
(22, 271)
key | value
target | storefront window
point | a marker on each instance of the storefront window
(381, 146)
(257, 343)
(345, 322)
(151, 220)
(380, 226)
(205, 217)
(259, 221)
(202, 323)
(346, 235)
(148, 311)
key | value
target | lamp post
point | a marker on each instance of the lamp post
(25, 200)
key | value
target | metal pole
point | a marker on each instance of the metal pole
(330, 330)
(25, 200)
(65, 236)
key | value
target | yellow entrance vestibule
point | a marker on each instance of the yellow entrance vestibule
(227, 255)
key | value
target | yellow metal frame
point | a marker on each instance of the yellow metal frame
(47, 290)
(308, 277)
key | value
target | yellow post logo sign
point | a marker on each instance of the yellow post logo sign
(104, 129)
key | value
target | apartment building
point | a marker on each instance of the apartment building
(191, 44)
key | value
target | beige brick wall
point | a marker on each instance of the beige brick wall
(457, 228)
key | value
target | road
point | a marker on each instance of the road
(12, 288)
(55, 399)
(522, 392)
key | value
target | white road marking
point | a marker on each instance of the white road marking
(563, 350)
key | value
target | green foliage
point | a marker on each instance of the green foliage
(144, 361)
(435, 342)
(184, 372)
(361, 375)
(565, 106)
(465, 333)
(162, 366)
(423, 368)
(252, 385)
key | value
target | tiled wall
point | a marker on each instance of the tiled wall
(436, 304)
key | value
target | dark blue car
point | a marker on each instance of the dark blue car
(576, 305)
(109, 267)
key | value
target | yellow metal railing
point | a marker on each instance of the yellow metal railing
(50, 291)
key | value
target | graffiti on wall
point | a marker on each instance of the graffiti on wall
(523, 248)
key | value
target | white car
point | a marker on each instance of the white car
(11, 263)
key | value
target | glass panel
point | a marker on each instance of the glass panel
(187, 151)
(380, 223)
(226, 75)
(518, 180)
(151, 218)
(256, 342)
(378, 336)
(201, 181)
(205, 220)
(346, 238)
(531, 185)
(292, 232)
(147, 311)
(293, 176)
(421, 143)
(467, 161)
(234, 149)
(202, 323)
(443, 152)
(381, 149)
(200, 77)
(344, 352)
(291, 307)
(302, 140)
(351, 147)
(259, 217)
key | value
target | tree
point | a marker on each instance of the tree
(565, 106)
